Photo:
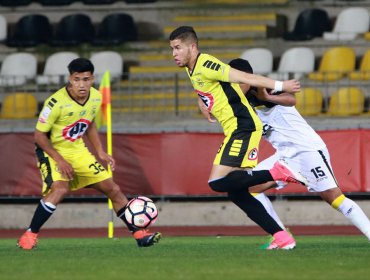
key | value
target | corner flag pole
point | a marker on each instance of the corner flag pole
(110, 152)
(106, 118)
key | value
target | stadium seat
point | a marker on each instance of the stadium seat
(98, 2)
(19, 106)
(116, 29)
(364, 70)
(335, 63)
(260, 59)
(3, 28)
(107, 60)
(73, 30)
(30, 30)
(56, 2)
(139, 1)
(17, 69)
(349, 24)
(346, 101)
(14, 3)
(289, 68)
(309, 101)
(310, 23)
(55, 70)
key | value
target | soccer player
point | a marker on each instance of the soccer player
(65, 162)
(301, 148)
(217, 86)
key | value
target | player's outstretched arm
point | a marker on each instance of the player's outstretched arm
(93, 136)
(236, 76)
(44, 143)
(284, 98)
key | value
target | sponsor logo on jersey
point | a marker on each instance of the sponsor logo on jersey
(253, 154)
(207, 99)
(76, 130)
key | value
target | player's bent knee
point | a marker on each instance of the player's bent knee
(60, 188)
(218, 185)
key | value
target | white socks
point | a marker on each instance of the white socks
(350, 209)
(354, 213)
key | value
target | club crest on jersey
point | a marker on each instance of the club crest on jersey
(253, 154)
(76, 130)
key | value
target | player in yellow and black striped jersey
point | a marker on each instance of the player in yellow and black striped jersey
(65, 162)
(217, 85)
(228, 104)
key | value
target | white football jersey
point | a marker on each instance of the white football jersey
(288, 131)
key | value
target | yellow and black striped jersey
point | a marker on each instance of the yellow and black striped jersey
(66, 120)
(225, 100)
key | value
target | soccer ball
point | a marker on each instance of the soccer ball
(141, 212)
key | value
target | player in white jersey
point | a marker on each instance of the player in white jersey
(301, 148)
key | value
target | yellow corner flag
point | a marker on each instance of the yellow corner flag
(105, 118)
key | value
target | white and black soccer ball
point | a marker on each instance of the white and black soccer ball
(141, 212)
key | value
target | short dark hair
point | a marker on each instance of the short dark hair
(184, 33)
(80, 65)
(241, 65)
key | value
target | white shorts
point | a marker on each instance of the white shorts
(315, 166)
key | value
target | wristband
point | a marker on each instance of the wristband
(278, 86)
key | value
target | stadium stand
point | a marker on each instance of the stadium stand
(20, 105)
(74, 29)
(150, 63)
(289, 68)
(346, 101)
(107, 61)
(55, 70)
(310, 23)
(3, 29)
(364, 70)
(30, 30)
(98, 2)
(261, 59)
(331, 68)
(116, 29)
(350, 23)
(14, 3)
(309, 102)
(17, 69)
(56, 2)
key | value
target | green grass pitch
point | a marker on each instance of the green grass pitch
(224, 258)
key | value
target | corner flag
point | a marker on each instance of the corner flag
(105, 90)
